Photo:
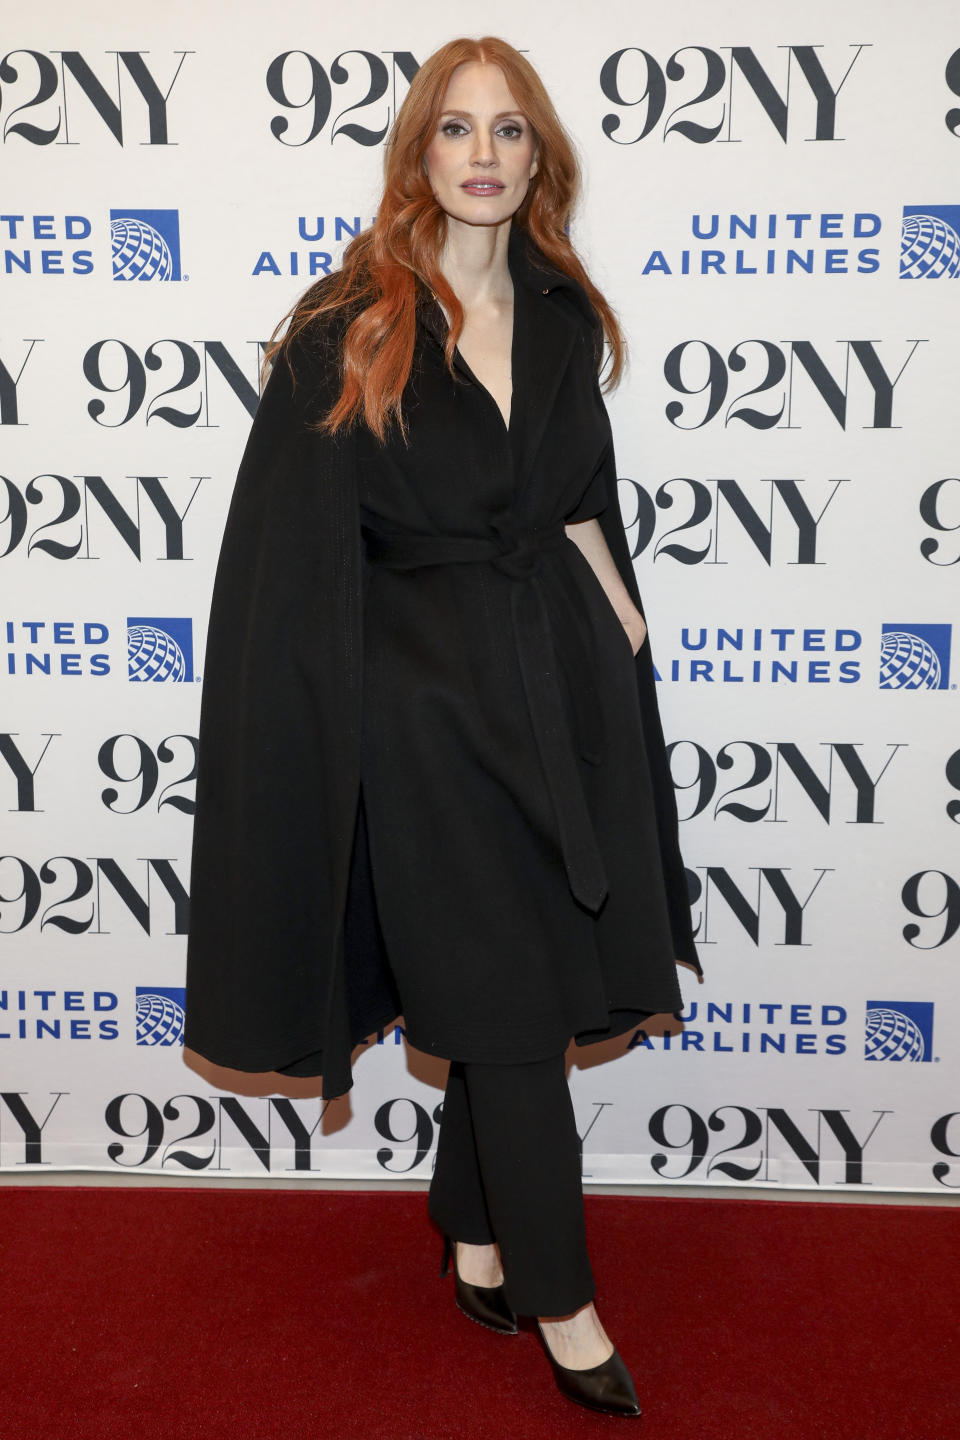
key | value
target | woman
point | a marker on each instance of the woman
(432, 776)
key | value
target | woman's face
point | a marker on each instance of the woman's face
(483, 156)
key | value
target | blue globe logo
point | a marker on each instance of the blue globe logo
(159, 1020)
(891, 1035)
(929, 248)
(908, 662)
(152, 654)
(139, 251)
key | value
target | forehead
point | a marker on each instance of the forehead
(477, 87)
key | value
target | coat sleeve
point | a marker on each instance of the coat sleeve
(602, 500)
(278, 767)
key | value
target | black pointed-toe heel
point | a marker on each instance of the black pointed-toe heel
(487, 1305)
(607, 1387)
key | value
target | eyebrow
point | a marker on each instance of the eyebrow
(466, 115)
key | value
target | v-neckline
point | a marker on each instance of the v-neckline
(508, 425)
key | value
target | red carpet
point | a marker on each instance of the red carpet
(280, 1315)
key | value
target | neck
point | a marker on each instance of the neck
(474, 262)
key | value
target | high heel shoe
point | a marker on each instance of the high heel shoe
(606, 1387)
(487, 1305)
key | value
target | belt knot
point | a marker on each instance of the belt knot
(520, 545)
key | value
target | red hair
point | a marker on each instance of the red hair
(378, 281)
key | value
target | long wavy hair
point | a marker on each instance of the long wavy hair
(376, 288)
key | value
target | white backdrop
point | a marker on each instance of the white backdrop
(769, 200)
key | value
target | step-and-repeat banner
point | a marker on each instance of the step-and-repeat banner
(772, 203)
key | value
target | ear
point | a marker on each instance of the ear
(534, 166)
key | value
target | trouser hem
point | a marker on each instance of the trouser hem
(508, 1170)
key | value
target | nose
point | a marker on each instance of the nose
(483, 151)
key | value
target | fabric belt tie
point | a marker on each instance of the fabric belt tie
(517, 552)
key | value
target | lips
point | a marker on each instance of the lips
(483, 187)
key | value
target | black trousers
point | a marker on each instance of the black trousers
(508, 1170)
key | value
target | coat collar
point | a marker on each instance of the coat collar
(529, 265)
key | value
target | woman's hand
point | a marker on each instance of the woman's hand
(588, 538)
(636, 630)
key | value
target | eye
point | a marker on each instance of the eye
(511, 130)
(454, 128)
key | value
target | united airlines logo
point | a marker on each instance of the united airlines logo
(763, 654)
(315, 248)
(160, 648)
(930, 242)
(915, 657)
(899, 1030)
(146, 244)
(160, 1014)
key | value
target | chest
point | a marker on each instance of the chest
(486, 343)
(460, 463)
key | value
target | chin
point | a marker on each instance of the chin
(480, 212)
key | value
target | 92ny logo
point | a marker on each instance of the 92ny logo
(770, 783)
(64, 518)
(697, 93)
(51, 98)
(69, 895)
(304, 87)
(858, 390)
(773, 516)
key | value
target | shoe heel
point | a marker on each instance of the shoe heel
(487, 1307)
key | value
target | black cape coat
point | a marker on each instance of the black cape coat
(286, 967)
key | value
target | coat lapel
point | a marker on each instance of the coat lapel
(545, 339)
